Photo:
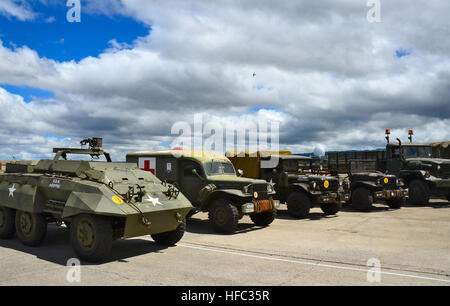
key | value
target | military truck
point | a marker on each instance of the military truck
(295, 180)
(99, 201)
(423, 173)
(367, 185)
(210, 182)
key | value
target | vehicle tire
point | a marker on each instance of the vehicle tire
(172, 237)
(448, 197)
(30, 228)
(419, 192)
(298, 205)
(362, 199)
(264, 218)
(331, 209)
(223, 216)
(91, 237)
(7, 223)
(396, 203)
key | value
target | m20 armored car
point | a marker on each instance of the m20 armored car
(210, 182)
(295, 181)
(99, 201)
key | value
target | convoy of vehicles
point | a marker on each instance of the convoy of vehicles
(295, 181)
(210, 182)
(153, 192)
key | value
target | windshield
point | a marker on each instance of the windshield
(219, 168)
(411, 152)
(290, 165)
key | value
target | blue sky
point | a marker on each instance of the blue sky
(52, 36)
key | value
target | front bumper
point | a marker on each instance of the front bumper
(259, 206)
(389, 194)
(327, 198)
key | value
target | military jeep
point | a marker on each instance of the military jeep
(210, 182)
(367, 185)
(295, 181)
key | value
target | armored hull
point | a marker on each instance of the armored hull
(99, 201)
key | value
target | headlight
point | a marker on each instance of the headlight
(248, 208)
(313, 185)
(341, 183)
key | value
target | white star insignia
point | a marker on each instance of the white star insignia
(11, 191)
(154, 201)
(271, 183)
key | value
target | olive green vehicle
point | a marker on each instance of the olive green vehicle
(99, 201)
(210, 182)
(295, 181)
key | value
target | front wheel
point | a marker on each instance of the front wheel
(172, 237)
(31, 228)
(331, 209)
(298, 205)
(362, 199)
(91, 237)
(7, 226)
(419, 192)
(264, 218)
(223, 216)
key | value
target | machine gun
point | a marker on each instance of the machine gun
(94, 149)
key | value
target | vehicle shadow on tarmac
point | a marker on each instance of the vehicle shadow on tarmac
(380, 207)
(201, 226)
(56, 247)
(284, 215)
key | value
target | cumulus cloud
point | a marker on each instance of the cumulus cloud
(16, 8)
(325, 73)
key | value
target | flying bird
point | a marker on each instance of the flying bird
(254, 74)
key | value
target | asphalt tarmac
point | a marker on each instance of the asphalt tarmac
(409, 246)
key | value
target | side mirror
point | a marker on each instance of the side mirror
(194, 172)
(240, 172)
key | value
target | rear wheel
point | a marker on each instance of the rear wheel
(91, 237)
(31, 228)
(223, 216)
(298, 205)
(331, 209)
(264, 218)
(396, 203)
(362, 199)
(172, 237)
(419, 192)
(7, 226)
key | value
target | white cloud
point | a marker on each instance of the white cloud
(17, 9)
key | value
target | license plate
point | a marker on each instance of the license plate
(263, 205)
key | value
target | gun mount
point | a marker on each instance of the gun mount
(94, 150)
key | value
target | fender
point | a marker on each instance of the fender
(210, 193)
(299, 187)
(367, 184)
